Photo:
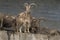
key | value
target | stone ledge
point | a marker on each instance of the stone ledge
(26, 36)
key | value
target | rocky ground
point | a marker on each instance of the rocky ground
(27, 36)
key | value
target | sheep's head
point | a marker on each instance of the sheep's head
(28, 6)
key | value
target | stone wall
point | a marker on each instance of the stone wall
(26, 36)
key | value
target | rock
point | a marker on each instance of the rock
(27, 36)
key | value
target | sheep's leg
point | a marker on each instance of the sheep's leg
(28, 28)
(9, 34)
(17, 28)
(1, 22)
(25, 29)
(20, 29)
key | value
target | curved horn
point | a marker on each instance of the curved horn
(43, 18)
(33, 4)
